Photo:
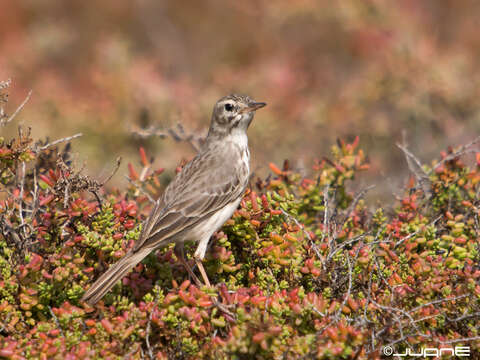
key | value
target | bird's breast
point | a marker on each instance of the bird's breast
(237, 153)
(246, 160)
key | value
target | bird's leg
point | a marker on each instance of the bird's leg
(203, 272)
(198, 256)
(217, 303)
(178, 250)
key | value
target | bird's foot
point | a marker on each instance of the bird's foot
(224, 308)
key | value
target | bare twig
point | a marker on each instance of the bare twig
(3, 123)
(346, 243)
(416, 232)
(463, 317)
(355, 201)
(56, 320)
(307, 235)
(384, 280)
(349, 289)
(453, 341)
(416, 168)
(413, 323)
(148, 132)
(149, 325)
(439, 301)
(66, 189)
(404, 337)
(107, 179)
(20, 202)
(4, 324)
(139, 188)
(177, 133)
(35, 200)
(326, 220)
(56, 142)
(464, 149)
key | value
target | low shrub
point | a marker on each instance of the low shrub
(304, 267)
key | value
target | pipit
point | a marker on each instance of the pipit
(202, 196)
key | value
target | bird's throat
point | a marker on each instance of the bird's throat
(239, 138)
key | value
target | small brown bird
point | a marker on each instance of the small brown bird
(199, 199)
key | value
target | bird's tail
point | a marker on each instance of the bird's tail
(112, 275)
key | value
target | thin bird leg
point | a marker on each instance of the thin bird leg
(202, 271)
(198, 260)
(217, 303)
(190, 272)
(178, 250)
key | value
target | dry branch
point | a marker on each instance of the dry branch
(464, 149)
(4, 122)
(58, 141)
(416, 168)
(177, 133)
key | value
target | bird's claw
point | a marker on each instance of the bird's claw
(223, 308)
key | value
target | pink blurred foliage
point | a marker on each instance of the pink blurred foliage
(326, 69)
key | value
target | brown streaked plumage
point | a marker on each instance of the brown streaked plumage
(200, 198)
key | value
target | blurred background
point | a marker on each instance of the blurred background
(326, 69)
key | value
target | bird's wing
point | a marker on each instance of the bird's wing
(194, 194)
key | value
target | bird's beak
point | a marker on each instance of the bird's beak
(253, 106)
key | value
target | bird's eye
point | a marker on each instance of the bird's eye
(228, 107)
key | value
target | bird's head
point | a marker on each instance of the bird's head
(233, 113)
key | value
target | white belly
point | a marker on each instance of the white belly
(204, 231)
(215, 222)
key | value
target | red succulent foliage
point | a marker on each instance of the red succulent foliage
(304, 268)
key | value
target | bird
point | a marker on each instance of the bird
(200, 198)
